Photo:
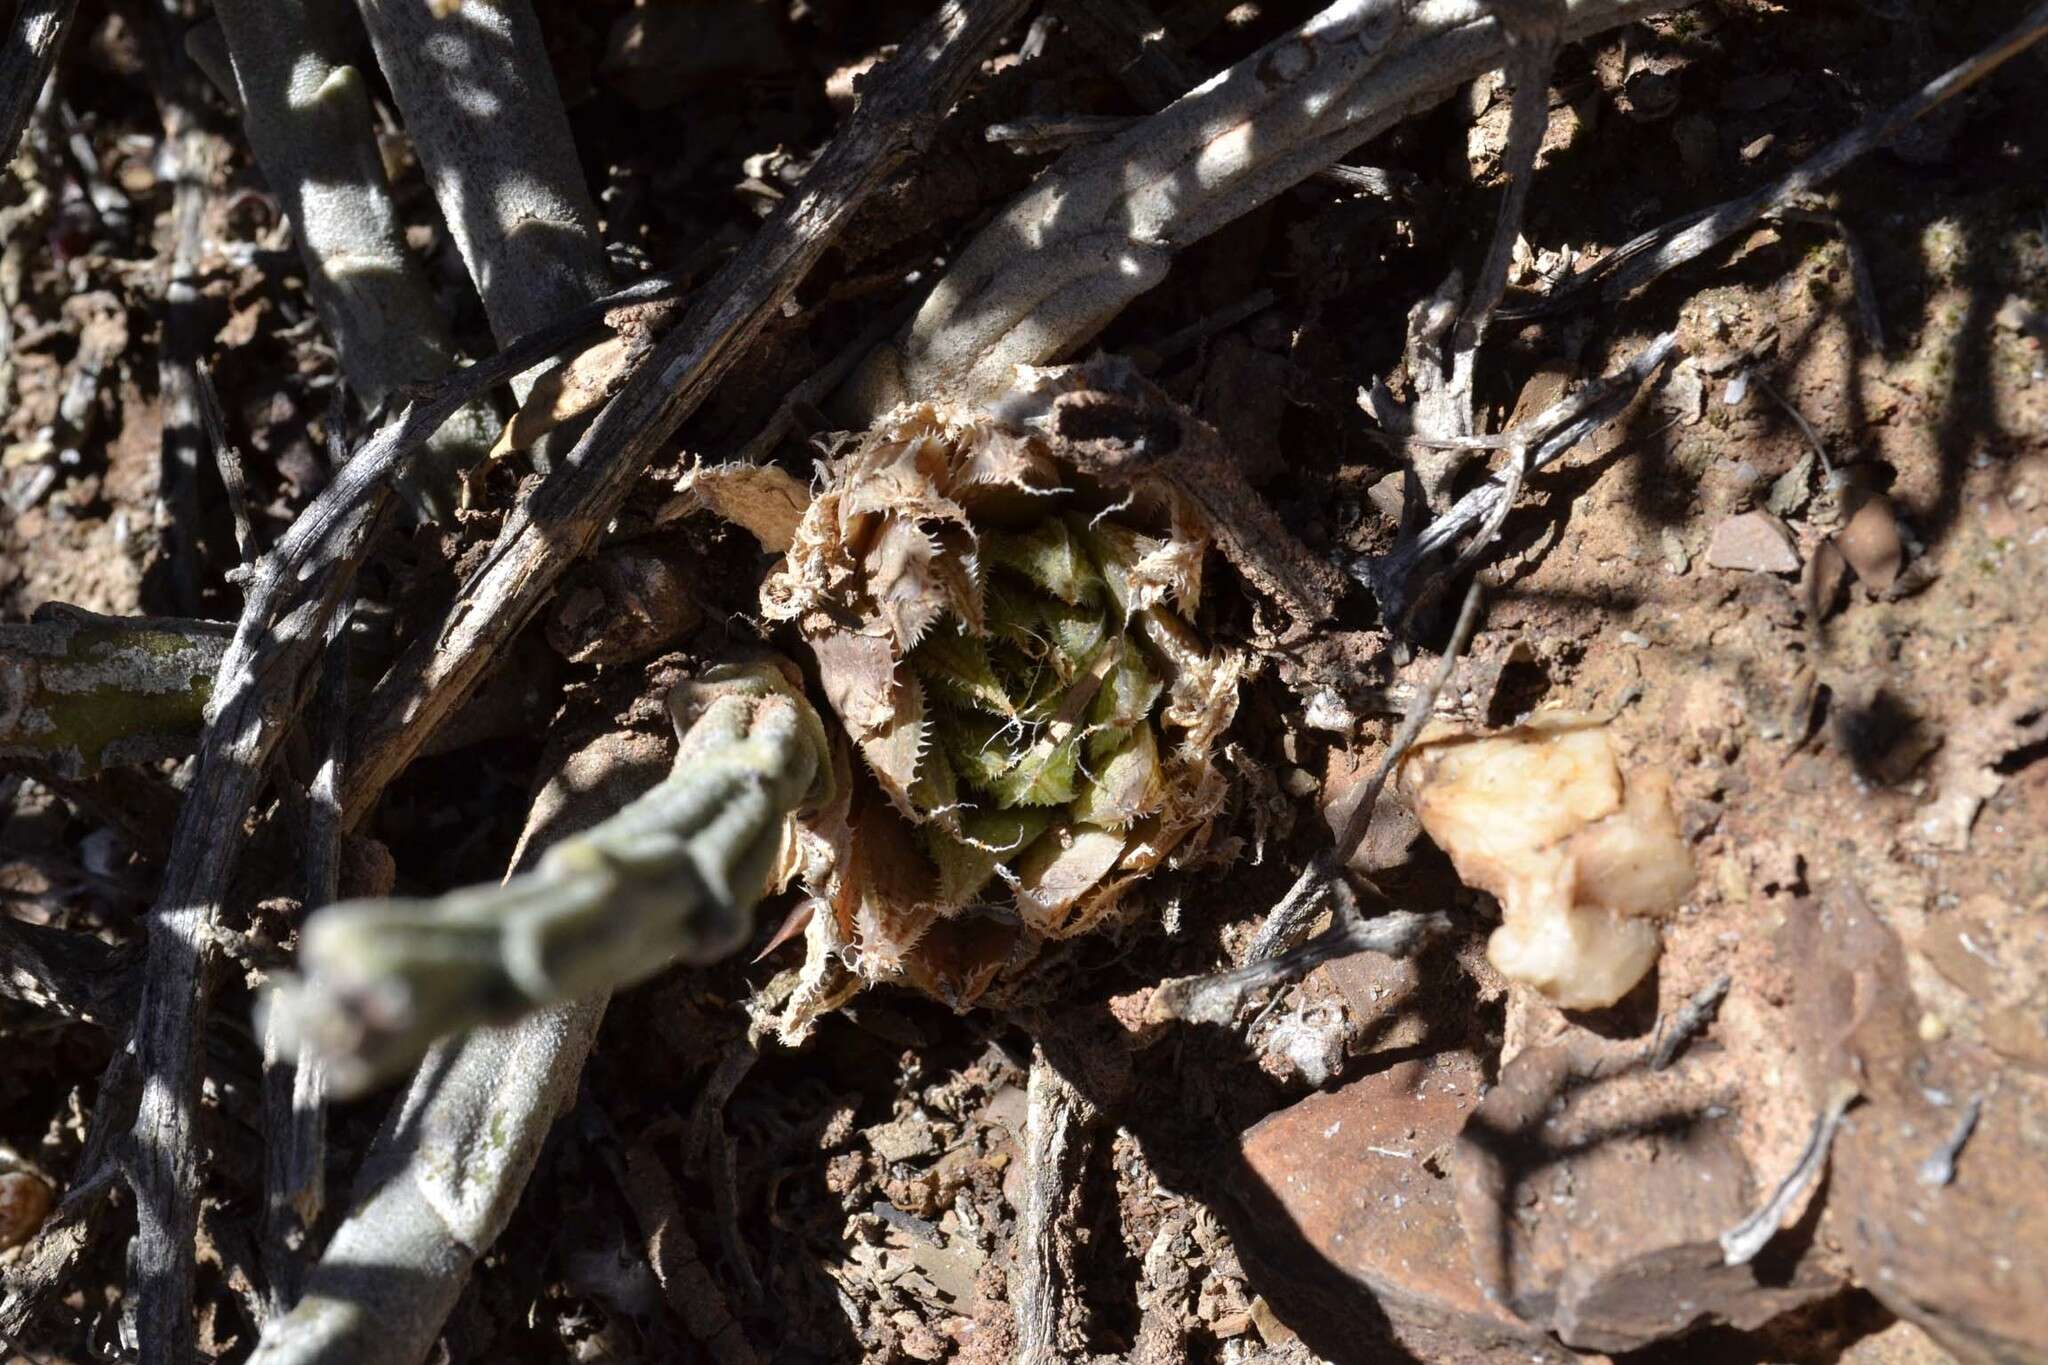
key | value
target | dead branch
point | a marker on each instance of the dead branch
(1291, 917)
(294, 1077)
(1692, 1017)
(80, 692)
(685, 1280)
(1534, 30)
(898, 112)
(30, 50)
(1217, 998)
(1056, 1140)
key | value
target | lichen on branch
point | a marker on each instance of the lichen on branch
(80, 692)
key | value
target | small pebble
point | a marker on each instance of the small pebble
(1754, 542)
(1826, 574)
(1676, 557)
(1872, 544)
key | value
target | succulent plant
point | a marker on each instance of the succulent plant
(1010, 646)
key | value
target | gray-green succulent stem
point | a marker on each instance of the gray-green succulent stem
(309, 123)
(672, 877)
(1103, 225)
(80, 692)
(485, 116)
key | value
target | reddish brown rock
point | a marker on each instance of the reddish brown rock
(1594, 1191)
(1964, 1257)
(1353, 1180)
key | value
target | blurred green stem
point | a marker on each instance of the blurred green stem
(672, 877)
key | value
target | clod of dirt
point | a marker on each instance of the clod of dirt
(628, 605)
(1753, 542)
(25, 1201)
(1872, 544)
(1584, 859)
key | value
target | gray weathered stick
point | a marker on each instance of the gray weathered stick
(196, 155)
(71, 974)
(1056, 1141)
(294, 1079)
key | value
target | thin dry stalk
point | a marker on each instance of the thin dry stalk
(294, 1078)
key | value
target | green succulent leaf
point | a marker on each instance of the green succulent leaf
(1126, 783)
(1051, 557)
(1115, 550)
(1130, 689)
(957, 666)
(986, 840)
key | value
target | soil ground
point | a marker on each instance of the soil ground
(1869, 735)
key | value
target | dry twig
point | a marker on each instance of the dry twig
(27, 55)
(1641, 260)
(1056, 1138)
(1545, 437)
(1741, 1243)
